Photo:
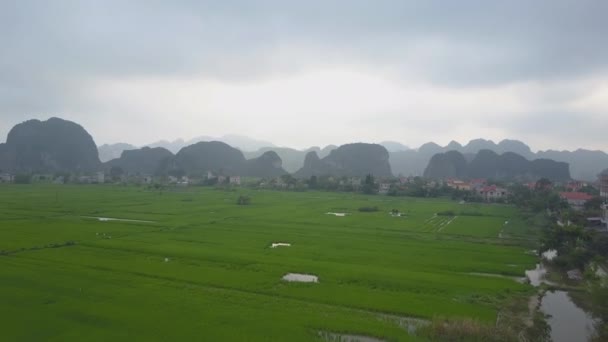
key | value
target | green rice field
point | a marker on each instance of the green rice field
(191, 264)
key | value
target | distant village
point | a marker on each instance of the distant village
(576, 194)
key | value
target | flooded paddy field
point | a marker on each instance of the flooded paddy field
(223, 282)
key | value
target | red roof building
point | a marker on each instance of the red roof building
(575, 199)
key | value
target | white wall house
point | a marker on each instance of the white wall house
(6, 178)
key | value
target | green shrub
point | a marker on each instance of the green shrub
(243, 200)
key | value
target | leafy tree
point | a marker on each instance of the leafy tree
(588, 189)
(289, 179)
(594, 204)
(116, 172)
(369, 186)
(599, 307)
(243, 200)
(543, 184)
(313, 182)
(178, 172)
(23, 178)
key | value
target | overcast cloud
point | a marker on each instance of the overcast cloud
(311, 72)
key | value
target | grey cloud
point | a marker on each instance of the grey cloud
(557, 129)
(470, 41)
(50, 50)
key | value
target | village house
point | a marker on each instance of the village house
(492, 193)
(605, 215)
(384, 188)
(148, 179)
(575, 186)
(279, 182)
(6, 178)
(576, 200)
(533, 186)
(184, 181)
(99, 178)
(603, 178)
(85, 179)
(458, 184)
(406, 180)
(478, 183)
(235, 180)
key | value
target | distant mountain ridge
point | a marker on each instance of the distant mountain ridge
(54, 145)
(491, 165)
(358, 159)
(145, 161)
(112, 151)
(584, 164)
(241, 142)
(293, 159)
(59, 145)
(196, 160)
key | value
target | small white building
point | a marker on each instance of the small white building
(85, 179)
(605, 215)
(184, 181)
(492, 193)
(148, 179)
(384, 188)
(6, 178)
(100, 178)
(235, 180)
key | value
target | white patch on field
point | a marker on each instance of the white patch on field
(445, 224)
(107, 219)
(280, 244)
(336, 214)
(302, 278)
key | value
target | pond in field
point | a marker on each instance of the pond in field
(106, 219)
(280, 244)
(568, 322)
(337, 214)
(537, 275)
(495, 275)
(302, 278)
(327, 336)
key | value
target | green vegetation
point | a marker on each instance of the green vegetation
(198, 267)
(369, 209)
(243, 200)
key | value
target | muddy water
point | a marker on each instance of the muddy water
(568, 322)
(107, 219)
(337, 214)
(334, 337)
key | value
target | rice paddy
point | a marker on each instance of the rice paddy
(190, 264)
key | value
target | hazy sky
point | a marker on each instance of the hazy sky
(303, 73)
